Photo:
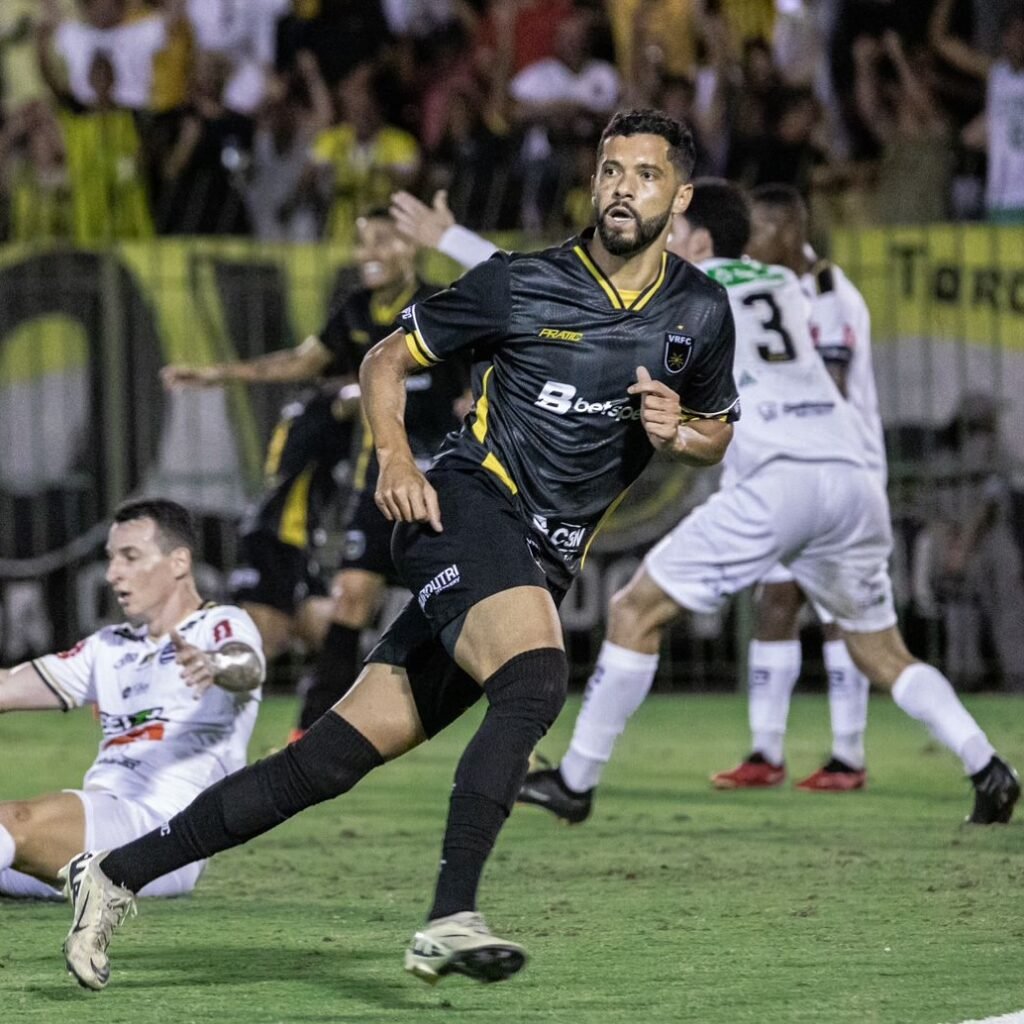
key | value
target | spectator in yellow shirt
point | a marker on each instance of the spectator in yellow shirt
(362, 160)
(108, 194)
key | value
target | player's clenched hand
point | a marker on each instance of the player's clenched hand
(179, 376)
(404, 495)
(659, 408)
(197, 667)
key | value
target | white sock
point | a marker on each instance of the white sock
(925, 693)
(6, 848)
(847, 704)
(772, 672)
(618, 685)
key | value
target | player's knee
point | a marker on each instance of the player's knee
(625, 614)
(16, 818)
(533, 684)
(355, 602)
(635, 612)
(778, 609)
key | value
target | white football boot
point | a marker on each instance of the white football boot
(98, 907)
(462, 944)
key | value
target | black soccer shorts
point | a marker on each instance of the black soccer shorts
(273, 573)
(483, 549)
(367, 543)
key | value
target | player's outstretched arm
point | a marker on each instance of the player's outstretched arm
(287, 366)
(697, 442)
(403, 493)
(22, 689)
(434, 227)
(234, 667)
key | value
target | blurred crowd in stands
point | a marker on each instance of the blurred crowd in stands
(282, 119)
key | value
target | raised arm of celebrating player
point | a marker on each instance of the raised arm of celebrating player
(286, 366)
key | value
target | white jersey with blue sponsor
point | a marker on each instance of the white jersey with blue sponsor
(161, 746)
(791, 407)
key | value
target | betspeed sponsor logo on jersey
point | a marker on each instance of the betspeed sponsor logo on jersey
(561, 398)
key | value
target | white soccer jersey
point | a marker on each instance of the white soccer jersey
(792, 408)
(160, 745)
(1005, 116)
(841, 330)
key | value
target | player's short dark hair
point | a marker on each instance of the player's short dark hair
(784, 199)
(778, 194)
(681, 149)
(176, 527)
(722, 209)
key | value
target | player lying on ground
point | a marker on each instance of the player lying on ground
(588, 357)
(177, 688)
(797, 490)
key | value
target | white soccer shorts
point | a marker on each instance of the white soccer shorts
(110, 821)
(827, 522)
(778, 573)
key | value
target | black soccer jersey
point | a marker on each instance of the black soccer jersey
(361, 319)
(351, 331)
(555, 348)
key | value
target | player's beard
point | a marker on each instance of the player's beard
(647, 231)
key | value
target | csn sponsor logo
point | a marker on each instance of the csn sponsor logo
(562, 398)
(566, 537)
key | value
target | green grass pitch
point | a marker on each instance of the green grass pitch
(673, 904)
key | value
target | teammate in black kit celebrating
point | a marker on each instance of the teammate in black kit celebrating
(435, 401)
(593, 355)
(278, 573)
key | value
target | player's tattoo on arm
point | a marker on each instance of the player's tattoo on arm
(236, 667)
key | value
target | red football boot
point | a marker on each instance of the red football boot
(834, 777)
(753, 773)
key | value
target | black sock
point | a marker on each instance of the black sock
(336, 669)
(525, 696)
(329, 760)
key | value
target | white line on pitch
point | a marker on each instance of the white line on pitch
(1010, 1018)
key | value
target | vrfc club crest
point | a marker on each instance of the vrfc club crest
(678, 348)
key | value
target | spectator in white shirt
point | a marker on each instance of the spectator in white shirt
(560, 101)
(244, 32)
(130, 44)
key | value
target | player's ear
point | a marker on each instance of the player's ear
(682, 198)
(181, 562)
(593, 190)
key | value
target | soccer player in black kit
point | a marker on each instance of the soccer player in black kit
(588, 357)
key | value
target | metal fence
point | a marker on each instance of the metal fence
(84, 423)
